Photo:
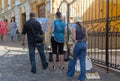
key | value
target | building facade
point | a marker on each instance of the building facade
(92, 12)
(20, 10)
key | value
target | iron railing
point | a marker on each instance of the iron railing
(97, 45)
(102, 19)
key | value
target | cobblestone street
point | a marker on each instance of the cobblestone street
(15, 66)
(91, 26)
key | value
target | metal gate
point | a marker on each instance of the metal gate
(102, 19)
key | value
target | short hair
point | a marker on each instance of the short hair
(32, 14)
(58, 14)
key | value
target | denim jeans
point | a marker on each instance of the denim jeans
(78, 52)
(40, 48)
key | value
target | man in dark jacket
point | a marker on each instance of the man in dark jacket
(32, 27)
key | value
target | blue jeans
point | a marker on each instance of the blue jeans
(78, 52)
(40, 48)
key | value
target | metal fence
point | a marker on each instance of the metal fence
(104, 34)
(96, 48)
(102, 19)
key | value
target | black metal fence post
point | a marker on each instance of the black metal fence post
(107, 35)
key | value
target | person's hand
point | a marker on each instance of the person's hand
(87, 42)
(73, 41)
(23, 44)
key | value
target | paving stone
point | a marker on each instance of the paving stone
(8, 55)
(16, 67)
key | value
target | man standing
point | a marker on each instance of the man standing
(32, 27)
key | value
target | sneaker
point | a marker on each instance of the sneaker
(53, 67)
(62, 68)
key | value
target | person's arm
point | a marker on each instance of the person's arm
(86, 36)
(52, 27)
(23, 40)
(23, 35)
(0, 24)
(74, 34)
(7, 26)
(65, 29)
(41, 31)
(15, 25)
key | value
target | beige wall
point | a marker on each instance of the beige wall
(22, 1)
(34, 7)
(12, 3)
(0, 6)
(5, 5)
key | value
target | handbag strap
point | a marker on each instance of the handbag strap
(32, 28)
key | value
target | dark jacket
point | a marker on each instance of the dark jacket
(27, 29)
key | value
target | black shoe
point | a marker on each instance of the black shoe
(46, 66)
(33, 71)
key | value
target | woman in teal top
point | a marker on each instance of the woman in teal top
(58, 39)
